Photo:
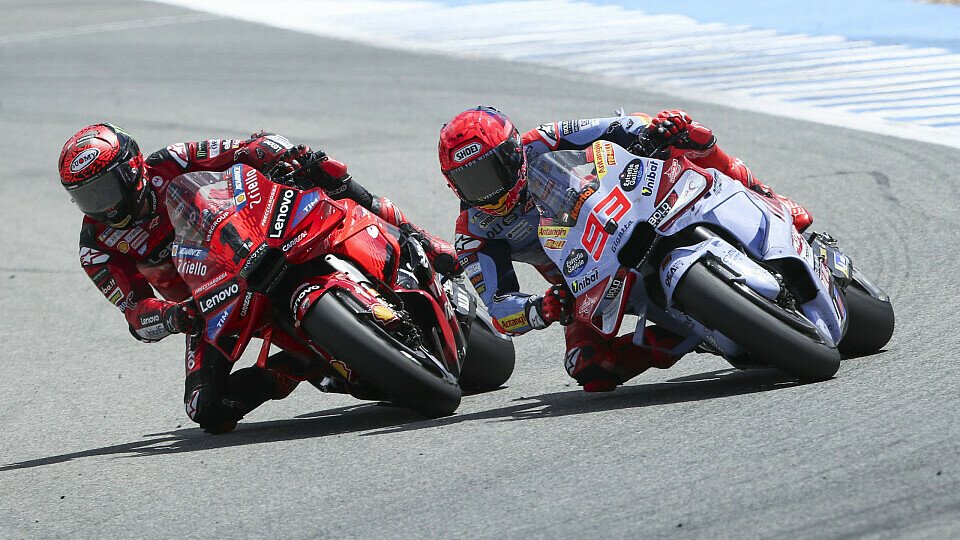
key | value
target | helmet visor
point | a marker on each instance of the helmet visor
(105, 191)
(486, 179)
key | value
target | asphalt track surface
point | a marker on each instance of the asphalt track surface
(94, 439)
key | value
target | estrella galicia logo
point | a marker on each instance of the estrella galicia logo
(575, 262)
(628, 178)
(281, 214)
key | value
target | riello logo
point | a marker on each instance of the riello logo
(462, 154)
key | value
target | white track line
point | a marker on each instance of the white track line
(826, 79)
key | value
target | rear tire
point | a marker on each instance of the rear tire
(870, 323)
(489, 362)
(718, 305)
(376, 359)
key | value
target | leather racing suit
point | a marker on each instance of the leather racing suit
(130, 265)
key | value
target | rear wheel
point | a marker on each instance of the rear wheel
(407, 376)
(489, 362)
(750, 321)
(870, 323)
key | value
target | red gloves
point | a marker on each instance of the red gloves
(182, 318)
(555, 305)
(674, 133)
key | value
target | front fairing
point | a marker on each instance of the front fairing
(591, 200)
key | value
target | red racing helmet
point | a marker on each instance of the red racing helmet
(103, 171)
(481, 156)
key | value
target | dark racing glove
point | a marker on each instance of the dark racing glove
(181, 318)
(673, 133)
(555, 305)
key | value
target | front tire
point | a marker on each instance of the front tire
(376, 359)
(489, 362)
(870, 323)
(718, 305)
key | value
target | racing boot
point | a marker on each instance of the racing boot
(715, 158)
(801, 217)
(601, 368)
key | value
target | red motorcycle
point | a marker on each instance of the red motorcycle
(352, 298)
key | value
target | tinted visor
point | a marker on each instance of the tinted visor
(486, 179)
(106, 191)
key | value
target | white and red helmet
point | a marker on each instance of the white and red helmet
(481, 156)
(102, 169)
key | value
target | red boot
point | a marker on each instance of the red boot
(600, 365)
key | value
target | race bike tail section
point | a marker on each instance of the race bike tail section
(325, 280)
(625, 231)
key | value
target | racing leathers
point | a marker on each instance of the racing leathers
(132, 266)
(487, 246)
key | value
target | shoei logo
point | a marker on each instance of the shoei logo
(84, 159)
(462, 154)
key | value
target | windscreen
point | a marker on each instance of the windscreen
(559, 182)
(197, 203)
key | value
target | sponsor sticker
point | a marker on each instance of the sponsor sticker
(660, 213)
(598, 159)
(552, 231)
(513, 322)
(548, 134)
(575, 263)
(84, 159)
(631, 172)
(585, 282)
(213, 148)
(286, 247)
(179, 154)
(615, 286)
(650, 179)
(281, 214)
(553, 243)
(189, 252)
(217, 298)
(465, 152)
(609, 155)
(191, 268)
(307, 203)
(90, 256)
(215, 324)
(252, 187)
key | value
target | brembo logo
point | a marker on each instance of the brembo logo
(282, 213)
(83, 159)
(462, 154)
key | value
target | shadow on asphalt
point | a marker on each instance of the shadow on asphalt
(374, 419)
(699, 387)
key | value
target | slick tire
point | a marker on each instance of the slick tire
(489, 362)
(722, 306)
(376, 359)
(870, 323)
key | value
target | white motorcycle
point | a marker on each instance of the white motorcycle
(696, 252)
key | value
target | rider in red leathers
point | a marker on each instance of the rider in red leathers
(484, 159)
(125, 245)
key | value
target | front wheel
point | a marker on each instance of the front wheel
(870, 323)
(376, 358)
(718, 305)
(489, 362)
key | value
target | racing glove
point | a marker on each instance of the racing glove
(672, 133)
(555, 305)
(181, 318)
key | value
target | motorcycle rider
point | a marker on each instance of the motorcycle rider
(126, 237)
(484, 159)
